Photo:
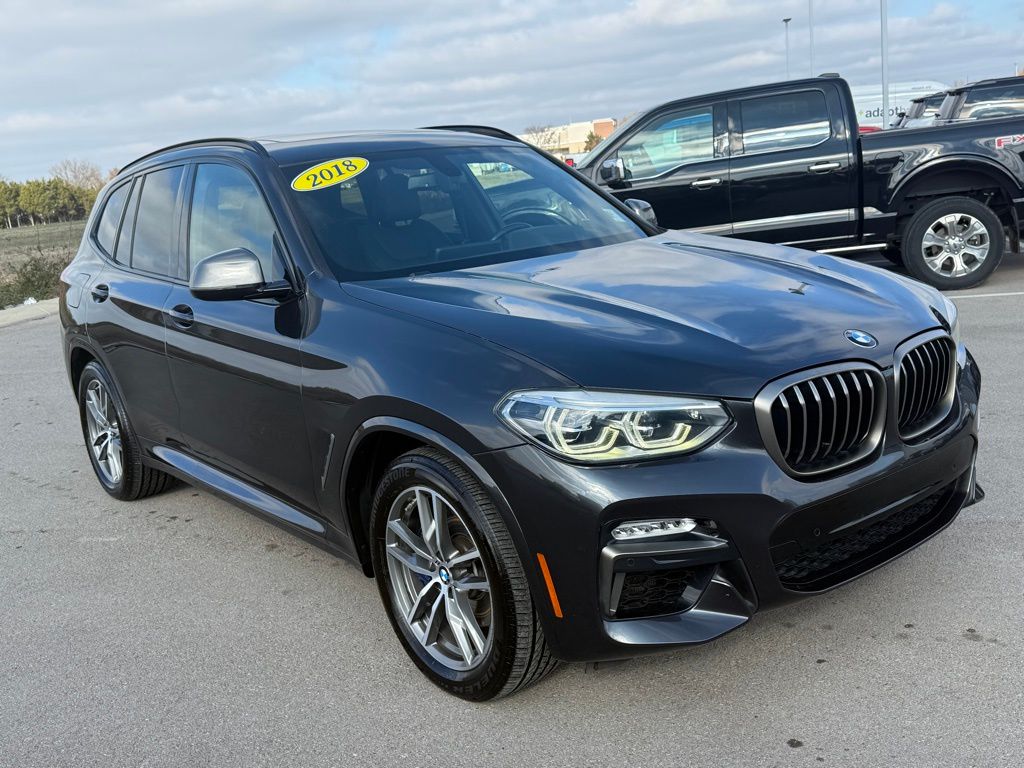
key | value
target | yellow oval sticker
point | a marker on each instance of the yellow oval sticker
(329, 173)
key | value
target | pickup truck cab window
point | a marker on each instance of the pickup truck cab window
(678, 138)
(999, 101)
(785, 121)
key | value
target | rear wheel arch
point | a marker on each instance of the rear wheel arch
(78, 359)
(979, 179)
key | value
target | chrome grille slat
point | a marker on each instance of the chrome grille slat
(926, 383)
(823, 419)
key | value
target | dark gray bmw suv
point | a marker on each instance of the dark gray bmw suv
(548, 428)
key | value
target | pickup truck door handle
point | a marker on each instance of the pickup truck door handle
(824, 167)
(181, 315)
(707, 183)
(100, 293)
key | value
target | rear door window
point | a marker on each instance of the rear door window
(678, 138)
(106, 230)
(786, 121)
(154, 246)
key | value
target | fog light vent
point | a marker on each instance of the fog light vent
(645, 529)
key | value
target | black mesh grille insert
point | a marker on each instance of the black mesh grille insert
(844, 556)
(653, 593)
(924, 385)
(826, 421)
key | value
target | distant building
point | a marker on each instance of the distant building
(569, 139)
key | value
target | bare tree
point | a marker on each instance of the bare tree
(543, 136)
(79, 173)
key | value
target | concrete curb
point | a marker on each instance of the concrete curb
(25, 312)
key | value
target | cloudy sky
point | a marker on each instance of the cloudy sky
(107, 81)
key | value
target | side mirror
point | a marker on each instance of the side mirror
(613, 172)
(233, 274)
(644, 210)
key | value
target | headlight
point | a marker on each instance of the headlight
(613, 426)
(952, 316)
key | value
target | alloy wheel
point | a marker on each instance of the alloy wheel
(438, 583)
(104, 432)
(955, 245)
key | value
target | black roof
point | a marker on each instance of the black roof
(308, 147)
(986, 83)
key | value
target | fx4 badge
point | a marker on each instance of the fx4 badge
(1005, 141)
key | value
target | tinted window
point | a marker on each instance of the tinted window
(124, 239)
(784, 122)
(153, 247)
(670, 141)
(106, 230)
(1000, 101)
(432, 209)
(228, 211)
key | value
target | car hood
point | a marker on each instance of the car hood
(679, 312)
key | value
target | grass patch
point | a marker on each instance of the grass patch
(32, 258)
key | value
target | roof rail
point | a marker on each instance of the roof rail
(246, 143)
(483, 130)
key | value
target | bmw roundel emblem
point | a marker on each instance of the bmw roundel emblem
(861, 338)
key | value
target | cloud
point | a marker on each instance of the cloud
(106, 81)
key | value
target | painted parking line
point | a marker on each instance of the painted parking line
(984, 295)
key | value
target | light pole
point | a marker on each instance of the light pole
(884, 9)
(786, 24)
(810, 30)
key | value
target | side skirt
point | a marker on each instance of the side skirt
(195, 472)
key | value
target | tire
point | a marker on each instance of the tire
(928, 222)
(514, 653)
(134, 480)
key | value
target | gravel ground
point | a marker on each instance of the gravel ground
(181, 630)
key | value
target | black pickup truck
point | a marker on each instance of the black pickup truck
(784, 163)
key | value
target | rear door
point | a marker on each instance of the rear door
(792, 169)
(126, 299)
(677, 160)
(235, 364)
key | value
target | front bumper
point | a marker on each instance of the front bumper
(768, 538)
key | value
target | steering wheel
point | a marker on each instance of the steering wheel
(510, 227)
(538, 213)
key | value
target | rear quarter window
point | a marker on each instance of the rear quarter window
(106, 229)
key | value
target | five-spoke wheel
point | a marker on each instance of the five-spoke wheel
(438, 578)
(451, 580)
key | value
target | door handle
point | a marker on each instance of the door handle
(182, 315)
(706, 183)
(100, 293)
(824, 167)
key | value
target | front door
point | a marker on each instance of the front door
(235, 365)
(793, 179)
(677, 161)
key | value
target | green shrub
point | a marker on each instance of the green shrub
(37, 277)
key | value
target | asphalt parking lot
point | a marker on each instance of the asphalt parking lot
(180, 630)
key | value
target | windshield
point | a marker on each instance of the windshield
(403, 212)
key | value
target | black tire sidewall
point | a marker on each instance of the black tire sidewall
(913, 253)
(485, 680)
(95, 372)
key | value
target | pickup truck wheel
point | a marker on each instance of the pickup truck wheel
(451, 581)
(953, 243)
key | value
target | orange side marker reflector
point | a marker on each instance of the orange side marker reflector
(551, 585)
